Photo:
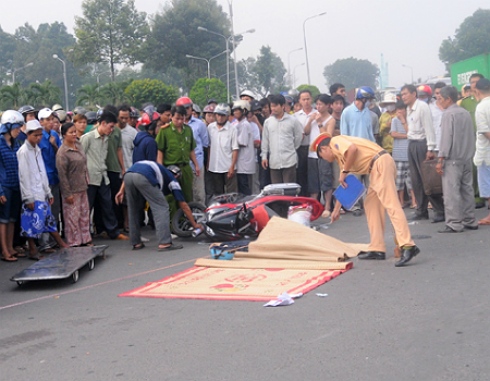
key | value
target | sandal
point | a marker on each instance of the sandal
(9, 259)
(138, 246)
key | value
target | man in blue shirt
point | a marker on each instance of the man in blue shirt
(356, 120)
(49, 145)
(150, 181)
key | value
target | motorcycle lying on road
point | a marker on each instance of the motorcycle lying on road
(233, 216)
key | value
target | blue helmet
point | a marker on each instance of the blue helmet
(365, 92)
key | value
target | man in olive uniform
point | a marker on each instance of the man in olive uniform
(363, 157)
(176, 146)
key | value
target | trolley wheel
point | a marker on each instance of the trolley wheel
(20, 283)
(91, 264)
(75, 276)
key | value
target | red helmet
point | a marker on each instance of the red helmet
(424, 89)
(184, 101)
(144, 120)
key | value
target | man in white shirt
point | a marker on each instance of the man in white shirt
(421, 147)
(223, 153)
(281, 137)
(246, 153)
(305, 100)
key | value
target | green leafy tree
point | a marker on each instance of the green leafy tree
(12, 97)
(43, 94)
(205, 89)
(313, 89)
(352, 73)
(174, 34)
(7, 50)
(265, 74)
(114, 93)
(471, 39)
(150, 90)
(89, 96)
(110, 31)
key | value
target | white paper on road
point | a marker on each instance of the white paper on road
(283, 300)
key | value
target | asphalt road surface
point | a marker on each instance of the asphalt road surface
(426, 321)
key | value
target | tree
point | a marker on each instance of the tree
(45, 94)
(471, 39)
(114, 92)
(313, 90)
(174, 34)
(111, 31)
(205, 89)
(12, 97)
(89, 96)
(352, 73)
(150, 90)
(265, 74)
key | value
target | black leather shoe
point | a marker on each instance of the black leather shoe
(372, 255)
(418, 216)
(447, 229)
(437, 219)
(358, 212)
(471, 227)
(407, 255)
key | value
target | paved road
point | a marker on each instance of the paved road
(427, 321)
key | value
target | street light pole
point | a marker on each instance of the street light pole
(290, 75)
(411, 70)
(20, 68)
(55, 56)
(306, 48)
(208, 61)
(227, 59)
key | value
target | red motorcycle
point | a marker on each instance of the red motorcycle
(233, 216)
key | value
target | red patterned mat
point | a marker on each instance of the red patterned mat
(234, 284)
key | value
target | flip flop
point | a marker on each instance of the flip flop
(49, 250)
(484, 222)
(9, 259)
(171, 247)
(19, 255)
(139, 246)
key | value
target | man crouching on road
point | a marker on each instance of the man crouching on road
(147, 180)
(362, 157)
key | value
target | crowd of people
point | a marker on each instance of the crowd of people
(90, 173)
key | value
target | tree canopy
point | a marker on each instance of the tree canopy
(205, 89)
(150, 90)
(352, 73)
(110, 31)
(265, 74)
(471, 39)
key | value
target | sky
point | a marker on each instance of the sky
(405, 33)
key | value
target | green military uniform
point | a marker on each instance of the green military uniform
(177, 147)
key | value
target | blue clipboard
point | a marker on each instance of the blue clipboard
(349, 196)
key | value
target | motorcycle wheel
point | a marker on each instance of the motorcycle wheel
(181, 226)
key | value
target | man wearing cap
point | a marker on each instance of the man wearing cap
(223, 153)
(454, 164)
(482, 154)
(363, 157)
(49, 145)
(36, 218)
(29, 113)
(247, 95)
(389, 101)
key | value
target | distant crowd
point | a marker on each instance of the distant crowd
(69, 171)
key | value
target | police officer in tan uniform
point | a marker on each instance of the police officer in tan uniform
(363, 157)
